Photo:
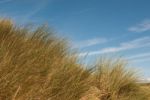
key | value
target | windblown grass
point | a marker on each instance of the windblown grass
(37, 65)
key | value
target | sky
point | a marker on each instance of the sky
(94, 27)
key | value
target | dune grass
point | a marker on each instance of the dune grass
(37, 65)
(116, 82)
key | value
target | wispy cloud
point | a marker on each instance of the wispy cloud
(39, 6)
(141, 27)
(5, 1)
(139, 56)
(137, 43)
(144, 59)
(25, 18)
(90, 42)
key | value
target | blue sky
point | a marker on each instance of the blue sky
(95, 27)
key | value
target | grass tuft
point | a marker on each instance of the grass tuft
(37, 65)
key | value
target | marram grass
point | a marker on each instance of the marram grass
(37, 65)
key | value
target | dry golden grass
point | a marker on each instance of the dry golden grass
(116, 82)
(34, 65)
(37, 65)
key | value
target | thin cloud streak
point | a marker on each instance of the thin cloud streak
(139, 56)
(137, 43)
(38, 7)
(27, 17)
(144, 59)
(141, 27)
(90, 42)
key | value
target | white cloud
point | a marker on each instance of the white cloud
(137, 43)
(39, 6)
(139, 56)
(144, 59)
(141, 27)
(90, 42)
(27, 17)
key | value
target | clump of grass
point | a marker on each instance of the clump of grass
(35, 64)
(116, 82)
